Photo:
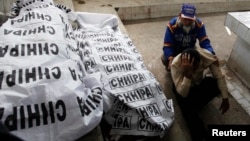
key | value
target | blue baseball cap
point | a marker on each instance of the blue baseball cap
(188, 11)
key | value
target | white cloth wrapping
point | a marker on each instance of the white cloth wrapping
(56, 83)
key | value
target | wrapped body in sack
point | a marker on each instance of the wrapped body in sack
(57, 82)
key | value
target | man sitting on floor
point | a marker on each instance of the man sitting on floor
(193, 91)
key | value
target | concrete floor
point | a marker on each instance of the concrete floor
(148, 35)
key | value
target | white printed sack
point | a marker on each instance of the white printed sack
(56, 83)
(44, 92)
(140, 106)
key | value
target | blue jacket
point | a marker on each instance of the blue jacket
(176, 40)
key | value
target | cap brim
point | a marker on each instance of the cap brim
(187, 17)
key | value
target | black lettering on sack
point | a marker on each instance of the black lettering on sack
(36, 114)
(31, 2)
(100, 49)
(22, 116)
(151, 75)
(116, 100)
(106, 40)
(41, 29)
(51, 111)
(79, 35)
(136, 95)
(40, 6)
(117, 44)
(112, 49)
(97, 92)
(33, 115)
(37, 30)
(125, 67)
(71, 48)
(100, 35)
(62, 19)
(56, 72)
(54, 48)
(85, 110)
(135, 50)
(30, 75)
(67, 32)
(60, 105)
(130, 43)
(115, 58)
(17, 32)
(74, 50)
(1, 79)
(139, 58)
(27, 75)
(42, 73)
(80, 68)
(117, 47)
(30, 49)
(90, 63)
(6, 31)
(80, 50)
(159, 88)
(122, 122)
(143, 66)
(121, 107)
(23, 46)
(32, 16)
(145, 125)
(80, 54)
(168, 105)
(87, 52)
(150, 110)
(45, 114)
(91, 103)
(14, 51)
(126, 80)
(3, 50)
(11, 79)
(63, 7)
(73, 73)
(51, 30)
(82, 45)
(32, 31)
(11, 120)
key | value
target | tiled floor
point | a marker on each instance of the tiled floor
(240, 92)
